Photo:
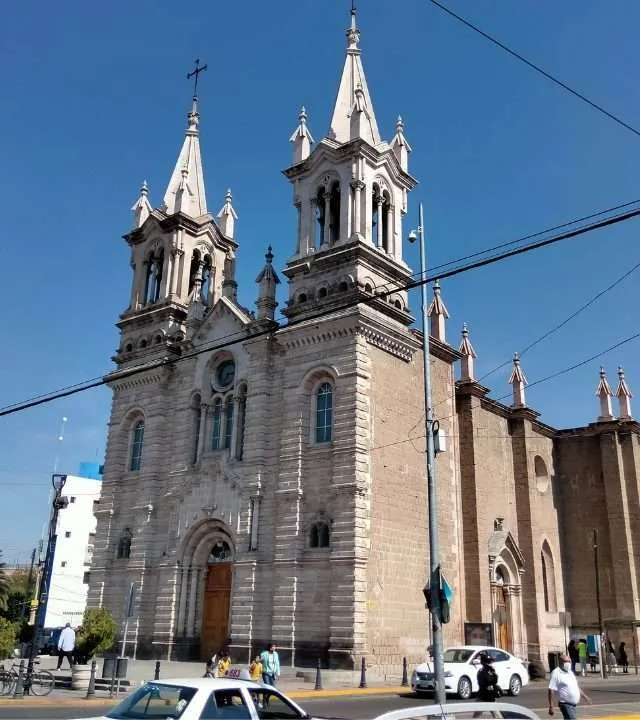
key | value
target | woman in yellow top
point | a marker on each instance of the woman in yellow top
(255, 669)
(224, 664)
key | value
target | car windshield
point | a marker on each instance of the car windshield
(457, 655)
(154, 700)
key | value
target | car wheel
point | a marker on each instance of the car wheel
(515, 685)
(464, 688)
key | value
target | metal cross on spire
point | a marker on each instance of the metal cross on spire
(195, 73)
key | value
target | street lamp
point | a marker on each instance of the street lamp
(59, 503)
(432, 591)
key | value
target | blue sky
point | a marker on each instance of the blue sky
(94, 101)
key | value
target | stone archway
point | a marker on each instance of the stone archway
(506, 565)
(206, 587)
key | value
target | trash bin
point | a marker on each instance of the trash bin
(121, 670)
(554, 660)
(108, 665)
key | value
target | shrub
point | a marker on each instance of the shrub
(8, 638)
(97, 634)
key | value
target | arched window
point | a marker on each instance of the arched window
(334, 213)
(381, 201)
(324, 413)
(240, 421)
(149, 278)
(196, 411)
(220, 552)
(123, 551)
(137, 441)
(548, 579)
(158, 270)
(542, 475)
(319, 535)
(194, 269)
(322, 293)
(216, 425)
(207, 279)
(321, 216)
(228, 422)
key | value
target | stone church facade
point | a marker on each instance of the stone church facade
(266, 482)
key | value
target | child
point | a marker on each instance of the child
(224, 664)
(255, 669)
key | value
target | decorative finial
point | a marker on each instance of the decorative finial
(301, 138)
(400, 146)
(303, 115)
(624, 396)
(195, 74)
(399, 124)
(144, 189)
(227, 216)
(604, 392)
(438, 313)
(267, 279)
(468, 356)
(353, 35)
(269, 255)
(142, 207)
(518, 380)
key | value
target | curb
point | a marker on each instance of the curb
(294, 695)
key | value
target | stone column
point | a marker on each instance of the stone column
(379, 237)
(391, 239)
(165, 285)
(357, 186)
(326, 225)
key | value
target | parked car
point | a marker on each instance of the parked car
(220, 698)
(461, 666)
(462, 711)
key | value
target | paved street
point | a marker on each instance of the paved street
(612, 697)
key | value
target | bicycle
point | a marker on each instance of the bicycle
(40, 683)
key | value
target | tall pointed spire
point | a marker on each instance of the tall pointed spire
(301, 138)
(518, 380)
(624, 396)
(185, 192)
(604, 392)
(468, 356)
(267, 279)
(142, 208)
(353, 115)
(227, 216)
(437, 313)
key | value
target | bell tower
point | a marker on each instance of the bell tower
(350, 193)
(183, 260)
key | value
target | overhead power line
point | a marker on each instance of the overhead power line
(537, 68)
(242, 336)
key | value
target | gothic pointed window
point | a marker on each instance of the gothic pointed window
(324, 413)
(228, 422)
(123, 551)
(321, 216)
(548, 579)
(240, 421)
(137, 442)
(216, 425)
(207, 278)
(158, 271)
(334, 213)
(319, 535)
(149, 278)
(194, 270)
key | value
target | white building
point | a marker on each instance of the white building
(69, 584)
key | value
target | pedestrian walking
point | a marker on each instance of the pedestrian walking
(564, 685)
(582, 655)
(488, 688)
(623, 660)
(573, 654)
(270, 665)
(66, 645)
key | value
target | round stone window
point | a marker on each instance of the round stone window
(225, 374)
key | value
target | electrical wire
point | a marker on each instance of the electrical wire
(305, 320)
(537, 68)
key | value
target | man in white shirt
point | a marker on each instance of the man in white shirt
(564, 685)
(66, 645)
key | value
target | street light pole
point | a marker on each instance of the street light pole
(59, 502)
(596, 565)
(432, 495)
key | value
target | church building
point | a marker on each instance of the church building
(266, 482)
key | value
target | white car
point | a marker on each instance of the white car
(462, 711)
(461, 665)
(205, 699)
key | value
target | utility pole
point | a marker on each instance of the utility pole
(432, 495)
(27, 601)
(596, 565)
(59, 503)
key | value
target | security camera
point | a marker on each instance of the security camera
(412, 236)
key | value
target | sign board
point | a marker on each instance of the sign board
(478, 634)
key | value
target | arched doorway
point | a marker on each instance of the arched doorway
(501, 610)
(216, 601)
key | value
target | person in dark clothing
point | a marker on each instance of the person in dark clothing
(488, 689)
(573, 655)
(623, 660)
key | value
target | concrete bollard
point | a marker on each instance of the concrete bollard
(318, 677)
(363, 674)
(91, 690)
(405, 676)
(18, 691)
(156, 674)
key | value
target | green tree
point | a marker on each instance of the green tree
(18, 597)
(8, 638)
(97, 634)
